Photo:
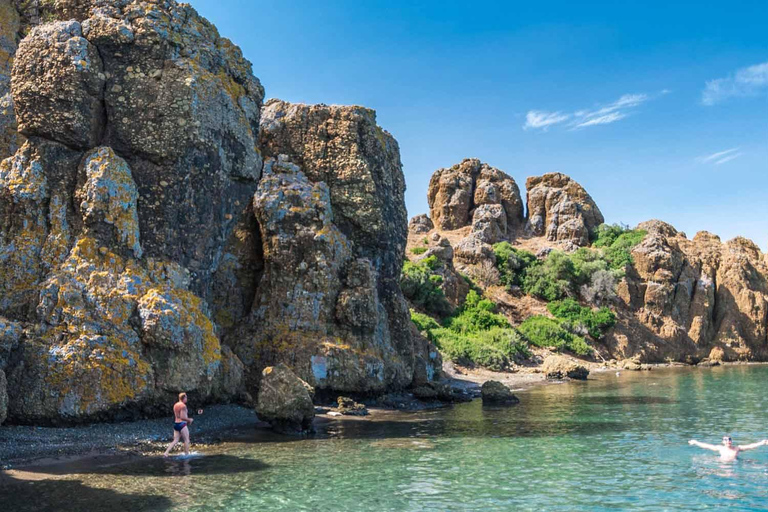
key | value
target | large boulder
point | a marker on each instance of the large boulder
(420, 224)
(454, 194)
(494, 392)
(562, 367)
(561, 210)
(285, 401)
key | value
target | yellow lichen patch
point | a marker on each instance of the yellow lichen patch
(110, 195)
(89, 373)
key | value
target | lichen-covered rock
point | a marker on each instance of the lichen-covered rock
(125, 200)
(10, 27)
(560, 209)
(359, 337)
(456, 192)
(561, 367)
(285, 401)
(420, 224)
(494, 392)
(58, 85)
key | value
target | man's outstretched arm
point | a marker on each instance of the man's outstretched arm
(706, 446)
(753, 445)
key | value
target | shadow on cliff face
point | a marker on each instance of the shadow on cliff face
(71, 496)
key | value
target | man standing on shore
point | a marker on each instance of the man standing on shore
(181, 422)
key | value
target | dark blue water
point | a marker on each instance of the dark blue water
(613, 443)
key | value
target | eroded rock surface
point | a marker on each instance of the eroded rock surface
(560, 209)
(692, 299)
(285, 401)
(141, 127)
(456, 192)
(562, 367)
(332, 215)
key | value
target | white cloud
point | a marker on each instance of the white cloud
(720, 157)
(605, 114)
(749, 81)
(540, 119)
(601, 119)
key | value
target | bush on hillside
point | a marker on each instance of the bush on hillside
(421, 285)
(419, 250)
(596, 322)
(512, 263)
(552, 279)
(547, 332)
(617, 242)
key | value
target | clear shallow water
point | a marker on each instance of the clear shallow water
(613, 443)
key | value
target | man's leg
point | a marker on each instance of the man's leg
(185, 435)
(175, 441)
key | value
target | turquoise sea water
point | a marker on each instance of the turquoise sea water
(612, 443)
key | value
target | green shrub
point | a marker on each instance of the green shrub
(512, 263)
(552, 279)
(617, 242)
(596, 322)
(419, 250)
(546, 332)
(422, 286)
(424, 323)
(475, 335)
(476, 315)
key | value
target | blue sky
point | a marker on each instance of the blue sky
(660, 109)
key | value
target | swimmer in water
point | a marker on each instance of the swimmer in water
(727, 450)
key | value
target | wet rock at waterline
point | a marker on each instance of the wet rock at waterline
(496, 393)
(285, 401)
(561, 367)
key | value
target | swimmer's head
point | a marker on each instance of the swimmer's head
(727, 441)
(183, 397)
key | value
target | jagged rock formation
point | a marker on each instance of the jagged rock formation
(420, 224)
(285, 401)
(333, 224)
(692, 299)
(455, 193)
(560, 209)
(139, 242)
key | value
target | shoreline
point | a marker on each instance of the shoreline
(28, 446)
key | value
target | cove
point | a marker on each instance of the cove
(611, 443)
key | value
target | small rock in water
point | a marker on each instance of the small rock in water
(496, 393)
(561, 367)
(349, 407)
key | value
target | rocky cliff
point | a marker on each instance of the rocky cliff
(146, 247)
(679, 299)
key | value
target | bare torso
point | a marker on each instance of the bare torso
(729, 453)
(179, 412)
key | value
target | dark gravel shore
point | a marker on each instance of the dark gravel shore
(21, 444)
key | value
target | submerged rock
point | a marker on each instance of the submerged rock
(494, 392)
(285, 401)
(561, 367)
